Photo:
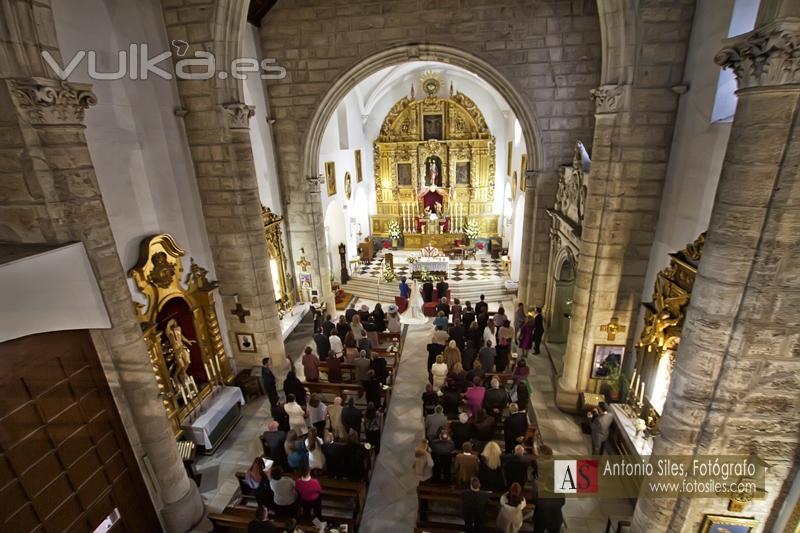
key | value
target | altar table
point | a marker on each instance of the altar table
(442, 241)
(625, 435)
(431, 264)
(218, 414)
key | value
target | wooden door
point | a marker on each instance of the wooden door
(65, 460)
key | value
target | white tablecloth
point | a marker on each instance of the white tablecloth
(213, 410)
(433, 264)
(642, 446)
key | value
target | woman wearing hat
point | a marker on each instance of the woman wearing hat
(393, 319)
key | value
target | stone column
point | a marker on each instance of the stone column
(734, 387)
(526, 252)
(306, 228)
(58, 200)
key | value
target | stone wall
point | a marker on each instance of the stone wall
(548, 50)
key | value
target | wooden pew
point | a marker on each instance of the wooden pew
(237, 517)
(450, 497)
(350, 370)
(342, 389)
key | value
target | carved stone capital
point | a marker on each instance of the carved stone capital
(609, 98)
(768, 56)
(314, 184)
(43, 101)
(238, 115)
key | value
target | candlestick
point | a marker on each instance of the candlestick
(641, 395)
(216, 361)
(209, 375)
(183, 394)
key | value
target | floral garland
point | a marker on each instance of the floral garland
(394, 229)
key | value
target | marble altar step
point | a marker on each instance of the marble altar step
(368, 287)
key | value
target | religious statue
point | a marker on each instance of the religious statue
(180, 351)
(433, 172)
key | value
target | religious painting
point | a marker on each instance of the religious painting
(359, 172)
(432, 127)
(330, 177)
(245, 342)
(433, 171)
(523, 167)
(509, 164)
(348, 185)
(514, 185)
(606, 356)
(727, 524)
(404, 174)
(462, 173)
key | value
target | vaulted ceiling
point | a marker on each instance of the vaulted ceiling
(257, 10)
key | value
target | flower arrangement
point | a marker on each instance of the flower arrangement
(471, 229)
(639, 425)
(425, 276)
(389, 275)
(394, 230)
(411, 259)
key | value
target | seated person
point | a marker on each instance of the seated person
(261, 523)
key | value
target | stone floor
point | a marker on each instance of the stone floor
(391, 501)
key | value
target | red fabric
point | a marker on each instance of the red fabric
(430, 199)
(401, 303)
(387, 245)
(479, 246)
(308, 490)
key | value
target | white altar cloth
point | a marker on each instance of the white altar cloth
(213, 410)
(431, 264)
(643, 446)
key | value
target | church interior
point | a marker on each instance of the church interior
(384, 265)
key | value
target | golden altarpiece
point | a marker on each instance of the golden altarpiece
(180, 327)
(281, 277)
(434, 169)
(661, 336)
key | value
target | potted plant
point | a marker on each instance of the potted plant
(395, 233)
(613, 381)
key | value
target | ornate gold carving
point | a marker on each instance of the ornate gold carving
(764, 57)
(274, 237)
(157, 274)
(51, 102)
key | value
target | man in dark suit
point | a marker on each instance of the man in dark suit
(351, 417)
(328, 326)
(515, 427)
(441, 288)
(473, 506)
(335, 456)
(467, 315)
(443, 306)
(427, 291)
(442, 454)
(601, 425)
(261, 524)
(547, 517)
(481, 307)
(274, 439)
(323, 345)
(495, 400)
(538, 329)
(456, 333)
(517, 466)
(268, 381)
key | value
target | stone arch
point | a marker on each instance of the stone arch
(419, 52)
(618, 34)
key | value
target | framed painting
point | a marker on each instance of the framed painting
(522, 168)
(462, 173)
(348, 185)
(432, 127)
(605, 356)
(404, 174)
(359, 172)
(245, 342)
(727, 524)
(330, 177)
(508, 161)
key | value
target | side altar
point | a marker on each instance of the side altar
(434, 169)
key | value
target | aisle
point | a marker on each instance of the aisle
(392, 498)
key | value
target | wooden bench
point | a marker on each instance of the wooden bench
(450, 497)
(349, 371)
(237, 518)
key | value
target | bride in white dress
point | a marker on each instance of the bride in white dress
(414, 314)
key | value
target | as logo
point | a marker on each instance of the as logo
(575, 477)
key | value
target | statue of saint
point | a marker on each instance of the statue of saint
(180, 351)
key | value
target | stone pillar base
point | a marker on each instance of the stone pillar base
(566, 398)
(186, 514)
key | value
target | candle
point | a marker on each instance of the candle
(208, 372)
(183, 394)
(641, 395)
(216, 361)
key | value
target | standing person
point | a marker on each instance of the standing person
(328, 326)
(310, 365)
(310, 490)
(334, 369)
(351, 311)
(499, 317)
(440, 322)
(439, 372)
(468, 315)
(268, 381)
(351, 418)
(517, 467)
(456, 333)
(372, 389)
(435, 422)
(491, 469)
(336, 344)
(512, 505)
(515, 427)
(380, 367)
(505, 336)
(538, 329)
(393, 319)
(475, 395)
(443, 307)
(357, 329)
(273, 440)
(452, 355)
(455, 311)
(547, 516)
(335, 416)
(423, 462)
(489, 333)
(379, 318)
(525, 340)
(362, 365)
(364, 314)
(313, 444)
(467, 465)
(442, 453)
(601, 425)
(342, 328)
(496, 400)
(372, 426)
(519, 318)
(405, 290)
(293, 386)
(261, 523)
(473, 506)
(442, 287)
(278, 413)
(427, 291)
(317, 413)
(481, 308)
(429, 400)
(322, 344)
(284, 490)
(297, 416)
(486, 356)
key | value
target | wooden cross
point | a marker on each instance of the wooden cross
(240, 312)
(612, 328)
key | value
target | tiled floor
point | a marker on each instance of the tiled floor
(481, 269)
(391, 502)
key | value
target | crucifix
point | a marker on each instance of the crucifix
(303, 263)
(240, 311)
(612, 328)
